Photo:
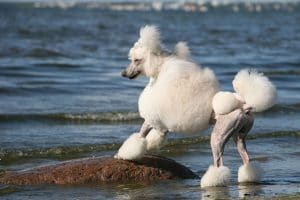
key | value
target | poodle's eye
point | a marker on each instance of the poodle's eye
(137, 60)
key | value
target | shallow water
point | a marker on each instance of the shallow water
(62, 96)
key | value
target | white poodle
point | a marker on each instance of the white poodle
(183, 97)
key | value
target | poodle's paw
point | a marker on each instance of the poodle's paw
(155, 140)
(249, 173)
(216, 176)
(133, 148)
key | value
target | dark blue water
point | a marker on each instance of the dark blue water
(62, 96)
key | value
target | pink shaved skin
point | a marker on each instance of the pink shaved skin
(236, 124)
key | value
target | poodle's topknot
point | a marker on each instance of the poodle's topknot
(150, 38)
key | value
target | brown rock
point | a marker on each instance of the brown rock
(100, 170)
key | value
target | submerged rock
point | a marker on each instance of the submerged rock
(100, 170)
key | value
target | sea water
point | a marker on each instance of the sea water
(62, 96)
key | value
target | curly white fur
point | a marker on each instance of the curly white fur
(150, 38)
(253, 89)
(133, 148)
(182, 50)
(180, 98)
(225, 102)
(216, 176)
(257, 90)
(251, 172)
(179, 94)
(155, 140)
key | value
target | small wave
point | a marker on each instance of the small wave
(188, 141)
(9, 91)
(279, 109)
(24, 32)
(10, 156)
(286, 72)
(266, 158)
(57, 65)
(41, 53)
(103, 117)
(16, 155)
(107, 117)
(296, 154)
(276, 134)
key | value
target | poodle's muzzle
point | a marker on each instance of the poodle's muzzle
(130, 74)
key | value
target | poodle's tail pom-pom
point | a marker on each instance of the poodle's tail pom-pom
(182, 50)
(155, 140)
(249, 173)
(150, 38)
(216, 176)
(133, 148)
(256, 89)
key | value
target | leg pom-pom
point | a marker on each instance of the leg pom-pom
(155, 140)
(216, 176)
(249, 173)
(133, 148)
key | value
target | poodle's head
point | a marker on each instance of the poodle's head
(143, 53)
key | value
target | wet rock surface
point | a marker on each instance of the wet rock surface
(100, 170)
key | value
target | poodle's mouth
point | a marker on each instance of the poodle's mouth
(131, 75)
(134, 75)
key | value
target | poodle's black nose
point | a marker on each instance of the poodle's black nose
(124, 73)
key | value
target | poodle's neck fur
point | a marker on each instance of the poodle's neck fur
(154, 63)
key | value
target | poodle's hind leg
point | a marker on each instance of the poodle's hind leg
(241, 147)
(248, 172)
(225, 127)
(135, 146)
(240, 137)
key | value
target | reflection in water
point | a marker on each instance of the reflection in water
(244, 191)
(247, 190)
(210, 193)
(4, 190)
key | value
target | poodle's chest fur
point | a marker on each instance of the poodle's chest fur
(180, 99)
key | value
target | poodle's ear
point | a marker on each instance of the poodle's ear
(150, 38)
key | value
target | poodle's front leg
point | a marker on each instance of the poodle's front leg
(145, 129)
(135, 146)
(156, 139)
